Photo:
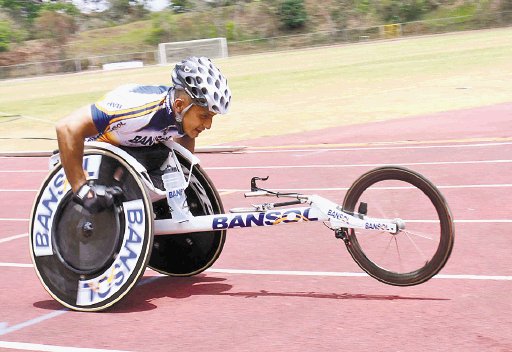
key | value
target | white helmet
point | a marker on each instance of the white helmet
(203, 82)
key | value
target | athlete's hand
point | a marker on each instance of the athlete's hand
(96, 198)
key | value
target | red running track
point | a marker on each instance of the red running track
(271, 289)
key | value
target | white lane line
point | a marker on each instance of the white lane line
(6, 329)
(349, 274)
(504, 185)
(49, 348)
(310, 273)
(327, 166)
(235, 190)
(16, 265)
(477, 186)
(335, 149)
(11, 238)
(457, 221)
(308, 166)
(23, 171)
(483, 221)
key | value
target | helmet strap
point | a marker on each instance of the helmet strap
(178, 116)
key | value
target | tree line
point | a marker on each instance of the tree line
(57, 20)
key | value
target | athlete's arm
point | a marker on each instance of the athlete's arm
(187, 142)
(71, 132)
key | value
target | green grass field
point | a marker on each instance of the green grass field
(295, 91)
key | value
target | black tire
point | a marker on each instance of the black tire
(385, 191)
(192, 253)
(85, 261)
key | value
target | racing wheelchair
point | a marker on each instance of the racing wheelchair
(395, 224)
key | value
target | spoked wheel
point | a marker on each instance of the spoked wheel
(88, 261)
(418, 251)
(192, 253)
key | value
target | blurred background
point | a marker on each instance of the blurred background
(50, 36)
(293, 65)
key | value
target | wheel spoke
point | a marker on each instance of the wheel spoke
(416, 246)
(398, 253)
(418, 234)
(387, 247)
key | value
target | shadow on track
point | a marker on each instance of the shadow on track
(141, 298)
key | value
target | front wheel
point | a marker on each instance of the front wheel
(418, 251)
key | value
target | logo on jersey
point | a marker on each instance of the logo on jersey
(116, 126)
(148, 140)
(114, 105)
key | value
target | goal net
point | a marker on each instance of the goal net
(177, 51)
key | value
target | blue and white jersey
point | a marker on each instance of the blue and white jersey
(134, 115)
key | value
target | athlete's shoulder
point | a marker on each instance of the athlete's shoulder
(139, 89)
(132, 95)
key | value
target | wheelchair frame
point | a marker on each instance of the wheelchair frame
(101, 288)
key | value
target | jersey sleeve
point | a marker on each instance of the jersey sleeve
(125, 102)
(100, 118)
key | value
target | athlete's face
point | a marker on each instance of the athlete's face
(196, 120)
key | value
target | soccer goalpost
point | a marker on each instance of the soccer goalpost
(177, 51)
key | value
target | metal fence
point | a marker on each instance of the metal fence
(349, 35)
(74, 65)
(388, 31)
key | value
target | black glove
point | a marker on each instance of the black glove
(96, 198)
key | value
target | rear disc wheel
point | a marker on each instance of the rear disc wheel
(85, 261)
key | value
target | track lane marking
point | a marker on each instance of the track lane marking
(11, 238)
(309, 166)
(351, 274)
(484, 221)
(49, 348)
(227, 191)
(310, 273)
(6, 329)
(453, 143)
(235, 190)
(16, 265)
(331, 166)
(24, 171)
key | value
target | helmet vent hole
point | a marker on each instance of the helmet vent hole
(204, 90)
(215, 108)
(216, 96)
(199, 80)
(217, 84)
(200, 69)
(211, 73)
(210, 80)
(189, 80)
(222, 101)
(194, 91)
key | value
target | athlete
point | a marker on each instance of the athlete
(140, 119)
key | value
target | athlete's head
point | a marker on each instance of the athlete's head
(201, 92)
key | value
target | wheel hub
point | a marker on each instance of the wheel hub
(86, 243)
